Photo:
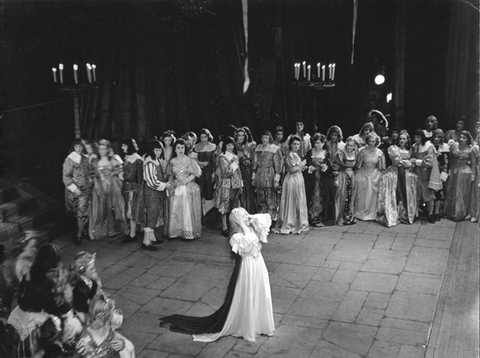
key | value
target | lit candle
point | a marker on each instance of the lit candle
(333, 72)
(89, 73)
(297, 70)
(330, 70)
(75, 77)
(54, 70)
(304, 69)
(318, 70)
(60, 67)
(94, 73)
(309, 70)
(323, 73)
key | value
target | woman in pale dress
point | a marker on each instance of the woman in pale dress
(293, 213)
(424, 159)
(346, 159)
(370, 162)
(247, 310)
(397, 197)
(185, 208)
(462, 164)
(360, 138)
(107, 210)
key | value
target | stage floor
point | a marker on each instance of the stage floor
(341, 291)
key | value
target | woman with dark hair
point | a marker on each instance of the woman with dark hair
(168, 138)
(266, 175)
(359, 138)
(462, 165)
(293, 213)
(370, 163)
(345, 159)
(228, 182)
(185, 210)
(424, 159)
(279, 139)
(206, 160)
(305, 139)
(76, 178)
(397, 193)
(44, 297)
(228, 131)
(107, 211)
(190, 139)
(245, 153)
(155, 194)
(442, 150)
(334, 140)
(133, 187)
(319, 183)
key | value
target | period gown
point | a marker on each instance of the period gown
(344, 192)
(76, 175)
(459, 188)
(267, 170)
(247, 310)
(206, 154)
(245, 155)
(228, 183)
(293, 213)
(185, 209)
(365, 187)
(107, 210)
(133, 188)
(320, 189)
(428, 173)
(397, 194)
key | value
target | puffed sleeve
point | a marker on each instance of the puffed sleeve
(427, 161)
(67, 175)
(194, 168)
(261, 224)
(291, 167)
(241, 244)
(278, 162)
(117, 168)
(381, 160)
(223, 165)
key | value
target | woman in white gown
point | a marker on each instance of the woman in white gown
(247, 310)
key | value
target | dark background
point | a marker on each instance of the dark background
(178, 64)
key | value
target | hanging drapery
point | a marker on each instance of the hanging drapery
(354, 28)
(246, 81)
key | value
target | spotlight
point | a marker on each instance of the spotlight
(380, 79)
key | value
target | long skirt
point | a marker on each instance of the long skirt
(365, 193)
(459, 192)
(344, 199)
(185, 212)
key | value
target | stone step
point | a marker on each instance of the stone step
(35, 218)
(17, 206)
(8, 193)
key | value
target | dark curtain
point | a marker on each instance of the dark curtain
(462, 74)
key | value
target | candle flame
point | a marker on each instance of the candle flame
(54, 69)
(93, 66)
(75, 67)
(60, 66)
(89, 66)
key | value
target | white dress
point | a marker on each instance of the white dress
(251, 311)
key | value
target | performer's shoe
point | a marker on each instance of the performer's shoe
(149, 247)
(438, 217)
(224, 232)
(431, 219)
(156, 242)
(77, 240)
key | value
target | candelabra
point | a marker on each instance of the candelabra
(76, 89)
(317, 81)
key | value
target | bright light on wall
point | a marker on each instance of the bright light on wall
(379, 79)
(389, 97)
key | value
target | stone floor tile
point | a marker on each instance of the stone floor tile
(139, 261)
(313, 308)
(348, 255)
(161, 307)
(358, 228)
(297, 275)
(377, 300)
(370, 316)
(333, 264)
(419, 283)
(278, 280)
(411, 352)
(162, 283)
(171, 269)
(406, 229)
(283, 298)
(324, 274)
(215, 297)
(144, 280)
(352, 266)
(412, 306)
(241, 345)
(177, 343)
(110, 271)
(384, 242)
(139, 339)
(381, 254)
(218, 348)
(402, 243)
(344, 276)
(236, 355)
(433, 243)
(189, 289)
(327, 349)
(353, 337)
(426, 256)
(325, 291)
(374, 282)
(118, 281)
(151, 353)
(307, 322)
(356, 241)
(374, 229)
(381, 349)
(280, 345)
(321, 237)
(127, 306)
(140, 295)
(142, 322)
(350, 306)
(401, 336)
(436, 232)
(391, 266)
